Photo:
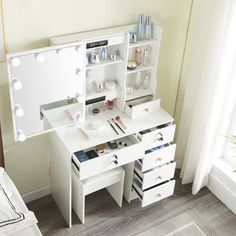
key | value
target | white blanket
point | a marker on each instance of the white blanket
(13, 217)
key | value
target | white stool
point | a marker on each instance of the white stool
(113, 180)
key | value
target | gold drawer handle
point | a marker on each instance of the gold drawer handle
(159, 137)
(158, 195)
(158, 159)
(159, 177)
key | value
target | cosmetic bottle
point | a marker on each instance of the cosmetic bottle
(138, 80)
(146, 81)
(145, 57)
(138, 55)
(148, 28)
(104, 54)
(141, 27)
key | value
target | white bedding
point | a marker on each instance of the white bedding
(14, 215)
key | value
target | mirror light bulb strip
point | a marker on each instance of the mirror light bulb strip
(20, 135)
(15, 62)
(39, 57)
(19, 111)
(17, 85)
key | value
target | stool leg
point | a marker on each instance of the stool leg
(116, 190)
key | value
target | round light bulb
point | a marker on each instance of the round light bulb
(58, 51)
(19, 111)
(77, 48)
(78, 71)
(39, 58)
(17, 85)
(79, 98)
(20, 135)
(15, 62)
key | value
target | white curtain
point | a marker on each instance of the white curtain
(210, 91)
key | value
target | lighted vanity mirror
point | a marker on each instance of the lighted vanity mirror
(48, 81)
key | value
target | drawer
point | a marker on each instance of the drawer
(136, 110)
(154, 194)
(158, 135)
(158, 157)
(111, 159)
(155, 176)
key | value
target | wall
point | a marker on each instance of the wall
(29, 24)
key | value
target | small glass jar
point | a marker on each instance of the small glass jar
(146, 81)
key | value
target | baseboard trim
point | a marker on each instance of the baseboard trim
(36, 194)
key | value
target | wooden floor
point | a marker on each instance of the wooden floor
(104, 217)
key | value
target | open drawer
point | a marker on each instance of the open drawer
(140, 107)
(158, 135)
(154, 194)
(154, 176)
(158, 156)
(110, 158)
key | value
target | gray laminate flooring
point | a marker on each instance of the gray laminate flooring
(105, 218)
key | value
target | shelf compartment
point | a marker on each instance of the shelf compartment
(143, 43)
(103, 63)
(141, 68)
(137, 93)
(111, 94)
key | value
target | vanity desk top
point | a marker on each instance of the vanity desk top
(75, 140)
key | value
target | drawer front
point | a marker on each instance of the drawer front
(158, 175)
(159, 136)
(112, 160)
(158, 157)
(155, 194)
(143, 108)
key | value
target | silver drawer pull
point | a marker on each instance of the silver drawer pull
(158, 159)
(115, 162)
(158, 195)
(159, 137)
(159, 177)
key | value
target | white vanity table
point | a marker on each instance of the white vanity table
(148, 156)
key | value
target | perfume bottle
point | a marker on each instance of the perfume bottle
(138, 55)
(141, 27)
(104, 54)
(146, 81)
(148, 28)
(145, 57)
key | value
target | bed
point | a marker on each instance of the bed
(15, 218)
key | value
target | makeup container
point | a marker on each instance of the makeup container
(98, 86)
(148, 28)
(133, 37)
(145, 57)
(146, 81)
(94, 58)
(104, 54)
(129, 89)
(141, 27)
(138, 55)
(110, 104)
